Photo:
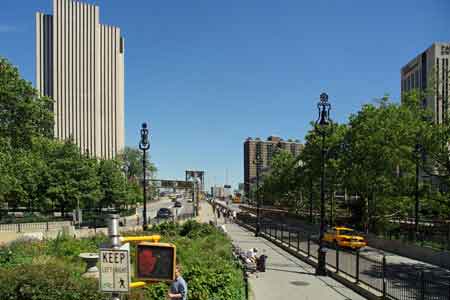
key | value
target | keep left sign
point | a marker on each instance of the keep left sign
(114, 271)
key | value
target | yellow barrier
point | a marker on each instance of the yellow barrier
(145, 238)
(137, 284)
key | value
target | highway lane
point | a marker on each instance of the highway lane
(165, 202)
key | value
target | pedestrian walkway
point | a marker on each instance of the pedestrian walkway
(286, 276)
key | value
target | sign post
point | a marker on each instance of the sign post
(117, 255)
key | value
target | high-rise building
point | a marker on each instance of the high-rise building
(80, 64)
(266, 150)
(218, 191)
(430, 70)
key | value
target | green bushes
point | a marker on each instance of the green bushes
(46, 281)
(51, 269)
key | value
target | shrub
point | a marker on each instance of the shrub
(48, 270)
(51, 281)
(193, 229)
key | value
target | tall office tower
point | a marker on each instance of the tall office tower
(266, 151)
(80, 64)
(430, 70)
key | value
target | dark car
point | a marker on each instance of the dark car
(164, 213)
(177, 204)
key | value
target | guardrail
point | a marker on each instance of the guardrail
(390, 280)
(32, 227)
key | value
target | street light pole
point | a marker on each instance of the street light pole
(416, 192)
(311, 200)
(321, 124)
(144, 145)
(258, 202)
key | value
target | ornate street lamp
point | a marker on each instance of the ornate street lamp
(258, 204)
(418, 155)
(144, 145)
(321, 126)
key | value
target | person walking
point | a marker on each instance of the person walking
(178, 289)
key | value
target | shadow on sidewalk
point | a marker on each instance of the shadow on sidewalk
(287, 271)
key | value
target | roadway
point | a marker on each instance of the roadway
(165, 202)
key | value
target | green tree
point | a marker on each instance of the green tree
(131, 158)
(73, 179)
(23, 115)
(113, 184)
(379, 160)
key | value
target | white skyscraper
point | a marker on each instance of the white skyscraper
(80, 64)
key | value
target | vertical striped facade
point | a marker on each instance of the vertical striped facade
(430, 70)
(80, 64)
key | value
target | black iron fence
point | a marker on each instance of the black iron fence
(391, 280)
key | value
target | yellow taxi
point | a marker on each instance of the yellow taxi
(344, 237)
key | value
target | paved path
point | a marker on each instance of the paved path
(286, 277)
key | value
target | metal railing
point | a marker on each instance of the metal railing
(32, 227)
(392, 280)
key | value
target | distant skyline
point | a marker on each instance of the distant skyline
(208, 74)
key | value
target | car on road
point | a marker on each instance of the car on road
(164, 213)
(344, 237)
(177, 204)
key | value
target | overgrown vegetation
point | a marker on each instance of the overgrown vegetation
(51, 270)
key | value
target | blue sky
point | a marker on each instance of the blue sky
(207, 74)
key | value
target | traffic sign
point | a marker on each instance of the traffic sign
(114, 271)
(155, 261)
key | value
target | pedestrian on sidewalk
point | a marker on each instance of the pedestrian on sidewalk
(233, 216)
(178, 289)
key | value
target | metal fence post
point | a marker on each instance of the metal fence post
(289, 239)
(357, 266)
(276, 227)
(298, 241)
(46, 226)
(245, 283)
(448, 236)
(422, 285)
(337, 258)
(309, 245)
(448, 282)
(384, 276)
(19, 227)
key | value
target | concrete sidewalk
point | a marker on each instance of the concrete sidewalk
(286, 276)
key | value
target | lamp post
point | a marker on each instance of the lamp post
(321, 125)
(196, 195)
(144, 145)
(417, 154)
(311, 220)
(258, 204)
